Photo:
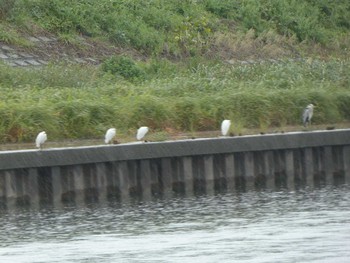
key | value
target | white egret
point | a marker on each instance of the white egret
(225, 127)
(141, 132)
(40, 139)
(110, 135)
(307, 114)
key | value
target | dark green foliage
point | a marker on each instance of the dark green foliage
(343, 102)
(123, 66)
(6, 7)
(180, 28)
(187, 114)
(224, 9)
(150, 111)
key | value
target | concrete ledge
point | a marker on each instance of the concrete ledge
(136, 151)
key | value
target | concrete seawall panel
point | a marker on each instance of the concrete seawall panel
(188, 166)
(138, 151)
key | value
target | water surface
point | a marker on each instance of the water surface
(309, 225)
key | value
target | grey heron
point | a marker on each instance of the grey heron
(307, 114)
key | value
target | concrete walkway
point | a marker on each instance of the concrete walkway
(15, 57)
(52, 50)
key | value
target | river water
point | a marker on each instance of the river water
(308, 225)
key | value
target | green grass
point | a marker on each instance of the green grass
(178, 80)
(180, 28)
(70, 101)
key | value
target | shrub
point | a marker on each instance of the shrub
(149, 111)
(221, 8)
(123, 66)
(6, 7)
(343, 105)
(187, 114)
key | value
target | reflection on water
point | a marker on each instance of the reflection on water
(303, 226)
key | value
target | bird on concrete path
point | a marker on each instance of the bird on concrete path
(307, 114)
(225, 127)
(40, 139)
(110, 135)
(141, 132)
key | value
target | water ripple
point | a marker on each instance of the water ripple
(301, 226)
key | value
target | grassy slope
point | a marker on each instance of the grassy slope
(177, 29)
(181, 83)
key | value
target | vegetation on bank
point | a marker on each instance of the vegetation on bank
(175, 77)
(81, 102)
(177, 29)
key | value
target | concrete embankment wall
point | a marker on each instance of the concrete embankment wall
(82, 174)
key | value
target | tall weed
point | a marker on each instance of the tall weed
(82, 104)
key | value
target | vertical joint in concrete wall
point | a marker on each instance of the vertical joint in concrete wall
(220, 183)
(101, 181)
(123, 175)
(166, 176)
(134, 187)
(338, 158)
(11, 188)
(230, 172)
(2, 190)
(32, 186)
(156, 180)
(111, 170)
(177, 175)
(79, 184)
(346, 163)
(290, 183)
(45, 184)
(145, 179)
(21, 178)
(249, 176)
(199, 182)
(280, 168)
(90, 182)
(68, 183)
(319, 175)
(298, 167)
(328, 164)
(308, 164)
(269, 169)
(187, 174)
(57, 190)
(209, 174)
(259, 169)
(239, 170)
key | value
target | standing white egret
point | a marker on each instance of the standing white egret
(307, 114)
(225, 127)
(110, 135)
(40, 139)
(141, 132)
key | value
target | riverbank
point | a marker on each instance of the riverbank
(202, 62)
(71, 102)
